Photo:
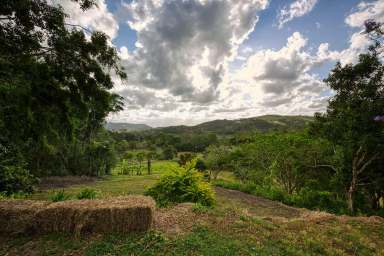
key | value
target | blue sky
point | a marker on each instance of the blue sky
(196, 60)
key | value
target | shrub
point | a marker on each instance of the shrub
(200, 165)
(87, 193)
(59, 196)
(16, 179)
(319, 200)
(182, 184)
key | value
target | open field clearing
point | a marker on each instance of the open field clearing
(239, 224)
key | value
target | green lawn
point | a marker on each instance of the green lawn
(239, 224)
(115, 185)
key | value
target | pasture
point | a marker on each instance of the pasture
(239, 224)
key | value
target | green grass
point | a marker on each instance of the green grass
(233, 227)
(115, 185)
(247, 236)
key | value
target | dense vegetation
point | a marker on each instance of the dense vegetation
(55, 81)
(54, 95)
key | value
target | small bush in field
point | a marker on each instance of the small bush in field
(16, 179)
(59, 196)
(182, 184)
(87, 193)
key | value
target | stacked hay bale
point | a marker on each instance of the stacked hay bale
(16, 216)
(121, 214)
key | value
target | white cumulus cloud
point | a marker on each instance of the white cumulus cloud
(97, 18)
(185, 46)
(296, 9)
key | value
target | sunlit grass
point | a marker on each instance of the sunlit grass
(116, 185)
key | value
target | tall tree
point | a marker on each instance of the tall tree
(350, 120)
(54, 82)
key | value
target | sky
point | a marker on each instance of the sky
(190, 61)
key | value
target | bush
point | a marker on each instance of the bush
(16, 179)
(59, 196)
(87, 193)
(319, 200)
(306, 198)
(200, 165)
(182, 184)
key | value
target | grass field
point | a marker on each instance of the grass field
(115, 184)
(239, 224)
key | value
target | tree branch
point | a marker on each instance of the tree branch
(324, 165)
(79, 26)
(368, 163)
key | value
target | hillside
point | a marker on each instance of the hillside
(126, 127)
(239, 224)
(261, 123)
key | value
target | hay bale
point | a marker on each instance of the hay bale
(122, 214)
(16, 216)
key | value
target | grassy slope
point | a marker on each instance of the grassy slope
(236, 226)
(261, 123)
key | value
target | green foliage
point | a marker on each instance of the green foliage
(14, 179)
(87, 193)
(182, 184)
(306, 198)
(60, 196)
(217, 159)
(54, 91)
(286, 160)
(169, 153)
(200, 165)
(350, 124)
(319, 200)
(184, 158)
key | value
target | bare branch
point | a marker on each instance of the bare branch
(79, 26)
(368, 163)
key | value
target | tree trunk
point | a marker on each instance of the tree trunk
(351, 195)
(149, 166)
(359, 164)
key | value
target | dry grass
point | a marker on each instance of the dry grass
(175, 220)
(16, 216)
(121, 214)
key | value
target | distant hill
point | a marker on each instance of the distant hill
(261, 123)
(126, 127)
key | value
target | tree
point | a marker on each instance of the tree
(289, 160)
(217, 159)
(140, 158)
(54, 86)
(184, 158)
(169, 152)
(149, 155)
(350, 121)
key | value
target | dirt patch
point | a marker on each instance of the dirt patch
(54, 182)
(276, 211)
(258, 206)
(175, 220)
